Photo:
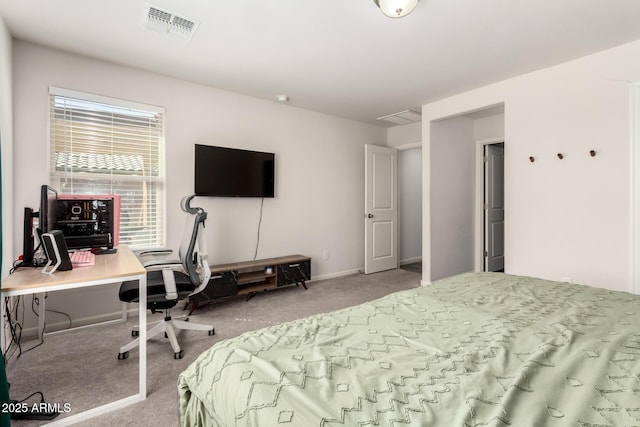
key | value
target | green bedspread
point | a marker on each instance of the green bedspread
(472, 350)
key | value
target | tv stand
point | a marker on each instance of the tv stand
(250, 277)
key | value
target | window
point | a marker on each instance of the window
(101, 145)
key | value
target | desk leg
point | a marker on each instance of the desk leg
(142, 321)
(142, 366)
(41, 312)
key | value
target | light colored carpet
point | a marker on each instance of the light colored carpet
(81, 367)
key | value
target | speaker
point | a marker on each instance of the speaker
(57, 252)
(27, 237)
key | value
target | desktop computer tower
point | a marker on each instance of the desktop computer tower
(89, 221)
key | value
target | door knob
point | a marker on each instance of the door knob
(369, 216)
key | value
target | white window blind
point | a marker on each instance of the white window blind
(100, 145)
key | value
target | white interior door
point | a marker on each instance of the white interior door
(381, 209)
(494, 207)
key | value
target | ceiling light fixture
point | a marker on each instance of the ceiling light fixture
(396, 8)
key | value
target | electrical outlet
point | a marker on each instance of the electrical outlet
(325, 255)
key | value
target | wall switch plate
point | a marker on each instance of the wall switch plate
(325, 255)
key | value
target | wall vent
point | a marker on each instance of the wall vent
(163, 21)
(402, 117)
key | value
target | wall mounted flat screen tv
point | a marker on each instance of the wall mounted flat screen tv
(231, 172)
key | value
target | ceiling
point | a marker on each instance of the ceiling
(341, 57)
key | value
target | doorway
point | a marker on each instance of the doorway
(381, 209)
(409, 208)
(490, 210)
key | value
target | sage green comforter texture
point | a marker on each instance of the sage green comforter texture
(477, 349)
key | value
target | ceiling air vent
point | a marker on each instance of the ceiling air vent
(402, 117)
(162, 21)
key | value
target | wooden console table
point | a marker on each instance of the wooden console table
(249, 277)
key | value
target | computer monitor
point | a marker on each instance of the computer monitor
(48, 220)
(48, 215)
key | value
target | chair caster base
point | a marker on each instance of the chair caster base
(177, 355)
(122, 356)
(135, 333)
(212, 332)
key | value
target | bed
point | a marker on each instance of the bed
(477, 349)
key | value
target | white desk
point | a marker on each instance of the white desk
(113, 268)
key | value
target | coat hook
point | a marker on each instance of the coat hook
(560, 156)
(592, 153)
(532, 159)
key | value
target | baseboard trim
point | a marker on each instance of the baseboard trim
(336, 275)
(60, 327)
(85, 322)
(410, 260)
(425, 282)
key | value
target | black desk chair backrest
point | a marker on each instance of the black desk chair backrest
(171, 280)
(193, 251)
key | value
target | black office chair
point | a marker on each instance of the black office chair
(170, 281)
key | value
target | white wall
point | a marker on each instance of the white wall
(319, 160)
(410, 204)
(6, 147)
(563, 218)
(491, 127)
(408, 138)
(405, 135)
(452, 197)
(457, 217)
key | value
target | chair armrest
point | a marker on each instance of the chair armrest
(152, 259)
(155, 252)
(169, 284)
(171, 263)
